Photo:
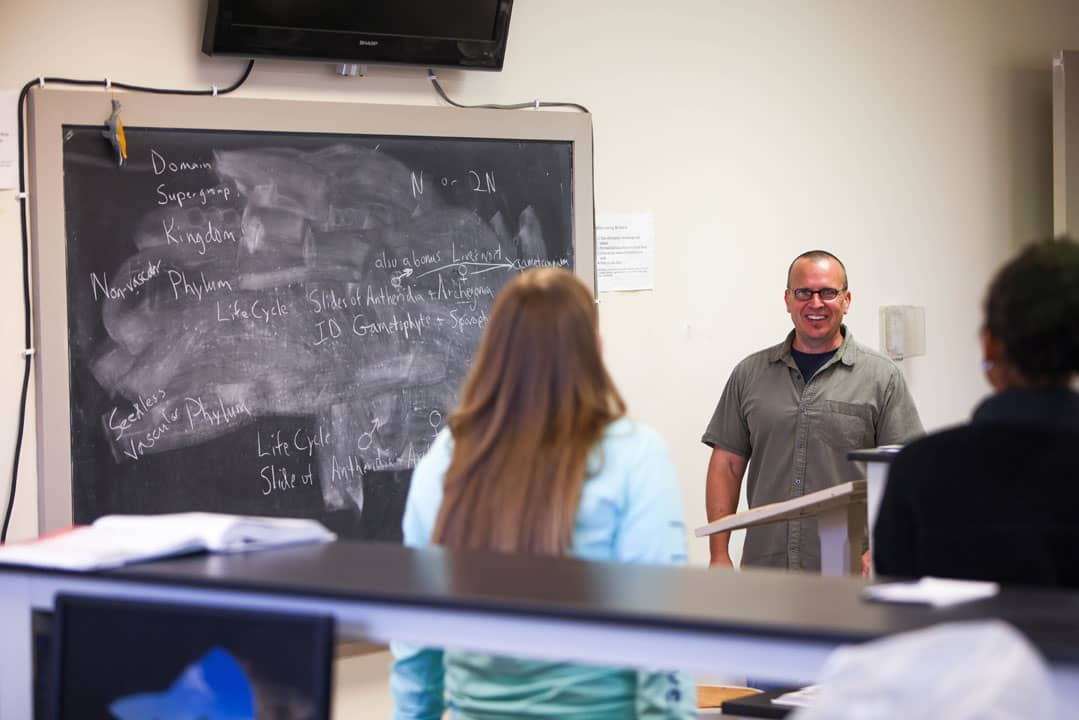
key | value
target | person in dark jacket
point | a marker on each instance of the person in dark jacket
(998, 498)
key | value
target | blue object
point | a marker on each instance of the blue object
(214, 687)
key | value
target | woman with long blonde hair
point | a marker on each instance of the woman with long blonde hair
(539, 459)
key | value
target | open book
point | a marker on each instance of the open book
(115, 540)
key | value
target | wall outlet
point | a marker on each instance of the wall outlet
(902, 331)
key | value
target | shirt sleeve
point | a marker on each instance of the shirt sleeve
(417, 676)
(899, 421)
(728, 429)
(653, 527)
(425, 492)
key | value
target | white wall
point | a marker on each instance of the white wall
(911, 139)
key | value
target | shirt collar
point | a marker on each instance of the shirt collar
(1056, 407)
(846, 353)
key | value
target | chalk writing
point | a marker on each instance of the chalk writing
(190, 197)
(286, 318)
(199, 238)
(322, 300)
(283, 444)
(162, 165)
(256, 310)
(139, 446)
(182, 286)
(101, 288)
(279, 479)
(214, 414)
(378, 295)
(119, 424)
(414, 324)
(484, 183)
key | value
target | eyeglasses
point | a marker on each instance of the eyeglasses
(826, 294)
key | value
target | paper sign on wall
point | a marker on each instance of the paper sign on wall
(9, 140)
(625, 251)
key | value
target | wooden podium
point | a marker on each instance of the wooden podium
(841, 516)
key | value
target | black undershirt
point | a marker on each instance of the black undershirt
(810, 363)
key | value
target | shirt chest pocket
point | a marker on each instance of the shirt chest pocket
(847, 426)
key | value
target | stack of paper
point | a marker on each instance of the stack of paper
(116, 540)
(938, 592)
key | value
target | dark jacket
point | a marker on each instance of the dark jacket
(997, 499)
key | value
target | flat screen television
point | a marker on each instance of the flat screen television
(440, 33)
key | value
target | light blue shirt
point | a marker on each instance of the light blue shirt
(630, 511)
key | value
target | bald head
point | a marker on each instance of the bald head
(816, 256)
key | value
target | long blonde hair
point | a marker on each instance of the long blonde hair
(536, 401)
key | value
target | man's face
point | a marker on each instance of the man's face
(817, 321)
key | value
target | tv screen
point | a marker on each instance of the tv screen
(453, 33)
(130, 660)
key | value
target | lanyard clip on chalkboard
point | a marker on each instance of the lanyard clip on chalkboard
(114, 131)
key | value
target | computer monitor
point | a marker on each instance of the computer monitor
(132, 660)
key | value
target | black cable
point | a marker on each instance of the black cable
(22, 197)
(491, 106)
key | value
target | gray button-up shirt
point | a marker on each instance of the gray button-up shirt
(797, 434)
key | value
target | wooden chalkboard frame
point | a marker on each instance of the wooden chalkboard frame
(51, 109)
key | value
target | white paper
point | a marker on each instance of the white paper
(799, 698)
(625, 252)
(938, 592)
(9, 140)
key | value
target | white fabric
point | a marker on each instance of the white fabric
(959, 671)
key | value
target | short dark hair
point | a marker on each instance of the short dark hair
(1032, 308)
(818, 255)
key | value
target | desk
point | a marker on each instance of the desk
(768, 624)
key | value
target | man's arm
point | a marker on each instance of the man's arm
(724, 483)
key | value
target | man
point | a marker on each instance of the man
(797, 409)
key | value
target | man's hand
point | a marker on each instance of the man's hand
(865, 564)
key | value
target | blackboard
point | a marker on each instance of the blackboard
(276, 322)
